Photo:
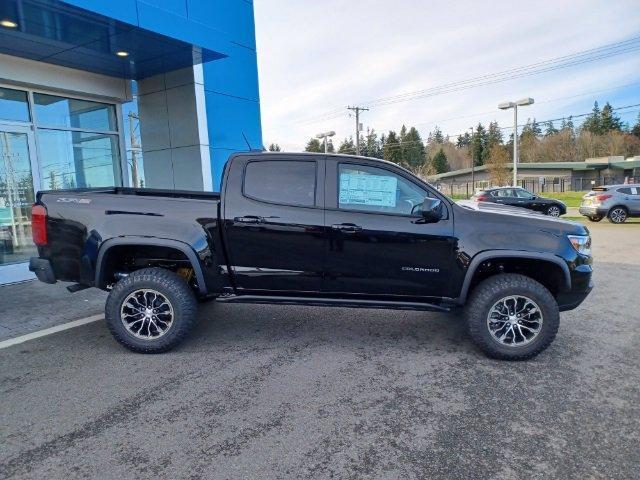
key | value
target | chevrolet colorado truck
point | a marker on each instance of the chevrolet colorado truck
(313, 229)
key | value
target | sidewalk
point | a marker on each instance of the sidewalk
(30, 306)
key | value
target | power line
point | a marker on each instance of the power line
(599, 53)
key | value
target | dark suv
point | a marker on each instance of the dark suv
(519, 197)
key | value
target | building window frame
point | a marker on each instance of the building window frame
(33, 124)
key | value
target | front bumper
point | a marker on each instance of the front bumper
(581, 286)
(42, 268)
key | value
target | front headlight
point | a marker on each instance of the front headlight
(581, 243)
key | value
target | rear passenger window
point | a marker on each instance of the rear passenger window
(282, 182)
(625, 191)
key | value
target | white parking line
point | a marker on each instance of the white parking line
(49, 331)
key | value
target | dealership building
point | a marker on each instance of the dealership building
(97, 93)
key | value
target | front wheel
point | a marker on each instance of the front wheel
(512, 317)
(151, 311)
(554, 211)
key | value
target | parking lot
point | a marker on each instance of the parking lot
(306, 392)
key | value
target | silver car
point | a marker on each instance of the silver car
(616, 202)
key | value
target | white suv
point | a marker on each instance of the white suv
(616, 202)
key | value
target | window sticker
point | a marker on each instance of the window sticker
(365, 189)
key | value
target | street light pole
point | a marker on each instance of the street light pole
(505, 106)
(324, 136)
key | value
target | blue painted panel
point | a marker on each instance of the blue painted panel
(123, 10)
(232, 17)
(219, 157)
(228, 118)
(178, 7)
(178, 27)
(235, 75)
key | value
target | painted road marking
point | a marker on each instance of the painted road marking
(49, 331)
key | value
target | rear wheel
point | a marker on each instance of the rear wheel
(151, 311)
(618, 215)
(512, 317)
(595, 218)
(553, 211)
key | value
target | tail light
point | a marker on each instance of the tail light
(480, 198)
(602, 198)
(39, 225)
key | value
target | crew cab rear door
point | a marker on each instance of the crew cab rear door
(377, 246)
(274, 223)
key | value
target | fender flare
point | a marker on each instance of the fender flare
(489, 254)
(150, 241)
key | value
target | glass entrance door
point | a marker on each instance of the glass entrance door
(16, 197)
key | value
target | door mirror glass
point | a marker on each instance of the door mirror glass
(431, 209)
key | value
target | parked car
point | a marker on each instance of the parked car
(310, 229)
(615, 202)
(519, 197)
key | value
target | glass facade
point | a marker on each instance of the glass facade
(16, 197)
(78, 146)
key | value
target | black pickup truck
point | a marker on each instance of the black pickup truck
(313, 229)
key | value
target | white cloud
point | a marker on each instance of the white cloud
(319, 57)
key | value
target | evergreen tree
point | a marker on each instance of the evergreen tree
(479, 150)
(439, 162)
(550, 129)
(347, 146)
(314, 145)
(412, 148)
(330, 147)
(593, 123)
(535, 128)
(494, 135)
(570, 125)
(371, 145)
(636, 128)
(391, 148)
(463, 140)
(436, 136)
(609, 121)
(53, 182)
(274, 147)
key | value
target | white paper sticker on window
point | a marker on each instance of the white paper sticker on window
(365, 189)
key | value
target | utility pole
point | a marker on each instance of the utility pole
(357, 110)
(134, 147)
(473, 164)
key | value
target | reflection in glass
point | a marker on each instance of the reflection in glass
(16, 197)
(54, 111)
(71, 159)
(13, 105)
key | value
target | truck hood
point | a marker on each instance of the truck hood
(528, 217)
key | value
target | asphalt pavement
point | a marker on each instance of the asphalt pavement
(262, 392)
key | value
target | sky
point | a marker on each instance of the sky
(315, 58)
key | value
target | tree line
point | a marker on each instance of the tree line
(602, 133)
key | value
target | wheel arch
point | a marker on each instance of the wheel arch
(512, 255)
(107, 246)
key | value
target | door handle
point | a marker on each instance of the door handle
(346, 227)
(249, 219)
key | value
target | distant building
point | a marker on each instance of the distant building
(549, 176)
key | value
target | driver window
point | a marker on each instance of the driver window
(372, 189)
(524, 194)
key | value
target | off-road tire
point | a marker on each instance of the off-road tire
(169, 284)
(618, 215)
(595, 218)
(490, 291)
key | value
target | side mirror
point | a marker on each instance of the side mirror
(431, 209)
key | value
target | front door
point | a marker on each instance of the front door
(16, 197)
(378, 245)
(274, 224)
